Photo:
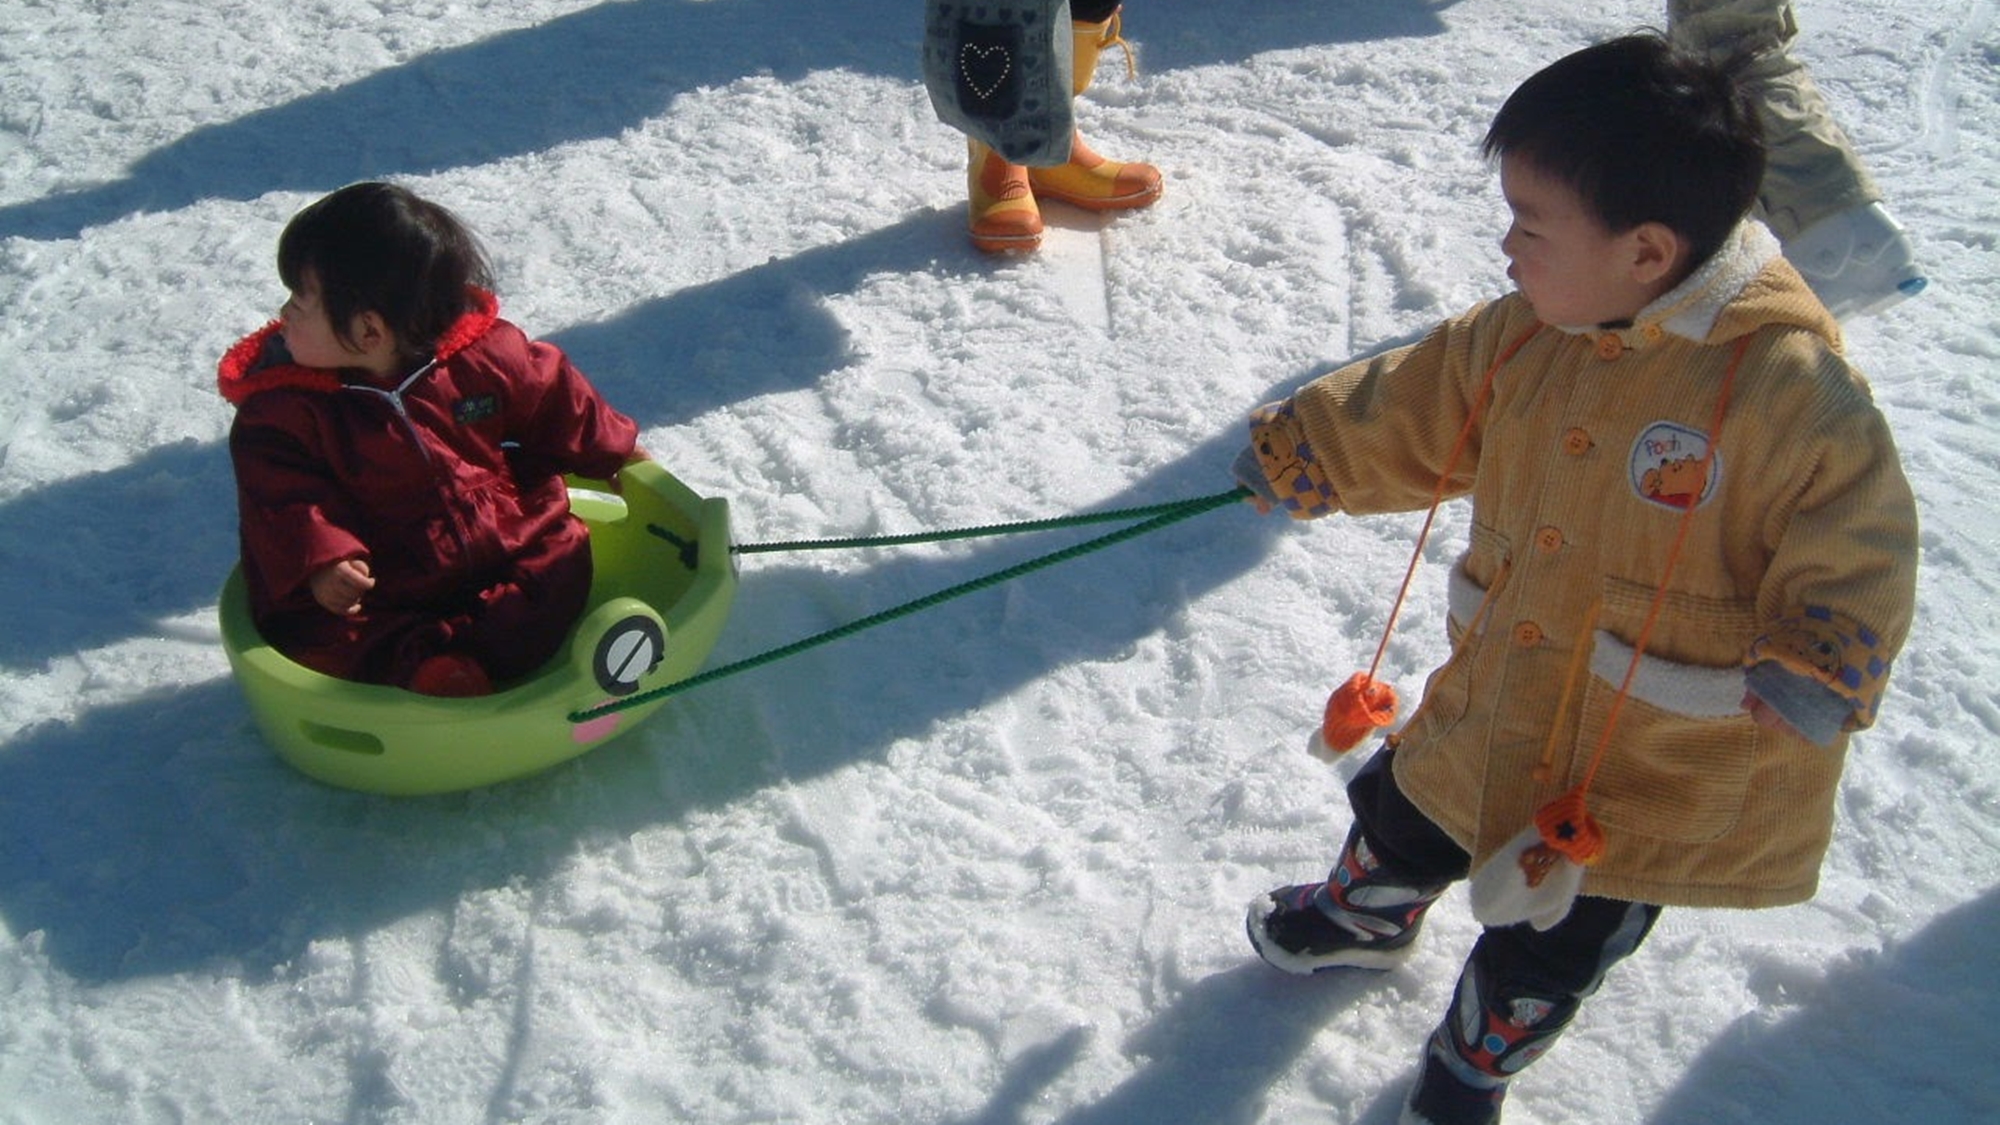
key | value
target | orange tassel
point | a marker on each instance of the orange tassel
(1363, 705)
(1567, 826)
(1356, 708)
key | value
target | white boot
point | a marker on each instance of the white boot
(1858, 261)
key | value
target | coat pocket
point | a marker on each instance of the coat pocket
(1680, 759)
(1668, 776)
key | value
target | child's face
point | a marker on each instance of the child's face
(308, 333)
(1574, 271)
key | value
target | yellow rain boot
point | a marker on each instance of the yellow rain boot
(1001, 209)
(1089, 180)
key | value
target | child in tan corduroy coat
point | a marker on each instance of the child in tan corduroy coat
(1692, 558)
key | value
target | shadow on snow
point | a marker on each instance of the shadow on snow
(607, 68)
(159, 835)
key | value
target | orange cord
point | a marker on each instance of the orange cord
(1364, 703)
(1545, 770)
(1444, 480)
(1565, 823)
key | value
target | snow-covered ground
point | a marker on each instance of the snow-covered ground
(982, 866)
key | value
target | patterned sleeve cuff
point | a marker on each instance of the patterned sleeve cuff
(1832, 650)
(1297, 481)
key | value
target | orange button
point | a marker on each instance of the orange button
(1653, 333)
(1527, 634)
(1549, 539)
(1576, 443)
(1610, 346)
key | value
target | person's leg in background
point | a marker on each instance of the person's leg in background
(1003, 214)
(1818, 197)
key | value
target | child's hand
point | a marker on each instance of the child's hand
(617, 481)
(1766, 716)
(1249, 472)
(338, 588)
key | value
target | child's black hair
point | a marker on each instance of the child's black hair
(375, 247)
(1642, 133)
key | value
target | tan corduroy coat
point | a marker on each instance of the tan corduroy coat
(1579, 471)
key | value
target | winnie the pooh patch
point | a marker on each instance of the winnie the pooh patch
(1670, 466)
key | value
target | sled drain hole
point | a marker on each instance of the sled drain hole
(343, 739)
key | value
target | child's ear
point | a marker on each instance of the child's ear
(1657, 253)
(372, 333)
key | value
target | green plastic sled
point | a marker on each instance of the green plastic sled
(664, 583)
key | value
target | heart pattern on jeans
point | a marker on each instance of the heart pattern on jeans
(984, 68)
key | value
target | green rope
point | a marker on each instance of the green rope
(1113, 516)
(1157, 516)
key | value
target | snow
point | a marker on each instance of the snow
(981, 866)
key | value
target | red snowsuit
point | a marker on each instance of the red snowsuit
(450, 486)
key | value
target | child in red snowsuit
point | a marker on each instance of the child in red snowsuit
(399, 453)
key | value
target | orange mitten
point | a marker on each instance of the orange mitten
(1356, 708)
